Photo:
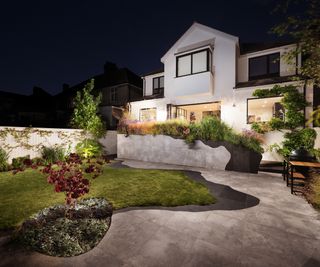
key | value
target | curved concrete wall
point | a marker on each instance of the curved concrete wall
(165, 149)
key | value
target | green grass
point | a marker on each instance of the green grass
(27, 192)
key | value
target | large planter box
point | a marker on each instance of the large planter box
(165, 149)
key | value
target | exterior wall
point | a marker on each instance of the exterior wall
(196, 84)
(148, 83)
(197, 88)
(160, 104)
(236, 115)
(31, 143)
(285, 69)
(165, 149)
(217, 87)
(122, 95)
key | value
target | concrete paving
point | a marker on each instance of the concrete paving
(280, 230)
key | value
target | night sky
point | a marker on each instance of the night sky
(47, 43)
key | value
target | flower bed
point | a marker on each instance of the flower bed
(53, 233)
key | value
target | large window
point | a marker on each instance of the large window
(264, 66)
(148, 114)
(264, 109)
(158, 85)
(196, 62)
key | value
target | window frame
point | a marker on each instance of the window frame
(208, 65)
(147, 109)
(113, 95)
(158, 89)
(252, 98)
(268, 74)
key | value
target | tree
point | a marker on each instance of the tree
(85, 115)
(304, 28)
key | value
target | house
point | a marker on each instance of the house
(208, 72)
(118, 86)
(26, 110)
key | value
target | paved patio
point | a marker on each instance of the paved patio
(280, 230)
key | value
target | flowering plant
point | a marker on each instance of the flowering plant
(68, 177)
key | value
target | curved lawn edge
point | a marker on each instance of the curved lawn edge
(227, 198)
(26, 193)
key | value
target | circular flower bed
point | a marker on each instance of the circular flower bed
(57, 231)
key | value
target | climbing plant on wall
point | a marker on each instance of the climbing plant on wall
(12, 138)
(294, 103)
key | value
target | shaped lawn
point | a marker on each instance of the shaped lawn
(25, 193)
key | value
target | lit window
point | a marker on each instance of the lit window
(264, 109)
(196, 62)
(148, 114)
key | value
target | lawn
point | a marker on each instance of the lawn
(27, 192)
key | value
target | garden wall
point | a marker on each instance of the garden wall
(20, 141)
(165, 149)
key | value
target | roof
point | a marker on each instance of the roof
(160, 70)
(197, 25)
(266, 81)
(246, 48)
(109, 78)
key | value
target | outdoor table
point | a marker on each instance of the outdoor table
(297, 175)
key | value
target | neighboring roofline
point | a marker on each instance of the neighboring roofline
(153, 72)
(203, 27)
(11, 93)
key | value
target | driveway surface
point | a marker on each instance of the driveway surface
(271, 227)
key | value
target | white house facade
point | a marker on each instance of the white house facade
(206, 72)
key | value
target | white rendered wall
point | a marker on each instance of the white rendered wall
(148, 83)
(49, 137)
(222, 82)
(160, 104)
(285, 69)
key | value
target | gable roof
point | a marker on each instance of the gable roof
(109, 78)
(160, 70)
(197, 25)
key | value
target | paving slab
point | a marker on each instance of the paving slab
(280, 230)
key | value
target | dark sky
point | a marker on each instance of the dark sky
(47, 43)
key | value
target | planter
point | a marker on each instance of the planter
(51, 232)
(242, 158)
(207, 154)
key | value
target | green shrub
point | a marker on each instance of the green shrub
(19, 162)
(176, 128)
(298, 138)
(89, 148)
(261, 127)
(210, 128)
(276, 124)
(53, 154)
(4, 166)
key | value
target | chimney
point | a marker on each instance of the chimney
(65, 87)
(110, 67)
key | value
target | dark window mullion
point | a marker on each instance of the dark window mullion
(191, 63)
(207, 59)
